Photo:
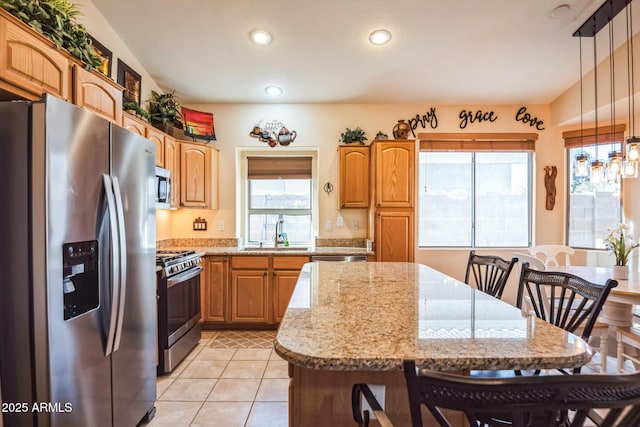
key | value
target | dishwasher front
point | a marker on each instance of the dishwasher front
(347, 258)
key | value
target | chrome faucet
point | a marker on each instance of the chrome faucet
(278, 239)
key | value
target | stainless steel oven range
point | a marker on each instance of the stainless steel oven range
(178, 306)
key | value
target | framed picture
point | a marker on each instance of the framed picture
(131, 81)
(198, 124)
(104, 53)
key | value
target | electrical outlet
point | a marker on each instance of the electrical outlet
(220, 225)
(328, 225)
(356, 225)
(378, 392)
(339, 222)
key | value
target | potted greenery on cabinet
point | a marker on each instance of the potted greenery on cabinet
(56, 20)
(164, 111)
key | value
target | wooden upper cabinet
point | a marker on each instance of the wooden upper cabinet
(133, 124)
(395, 173)
(30, 64)
(197, 186)
(354, 177)
(157, 137)
(172, 162)
(97, 93)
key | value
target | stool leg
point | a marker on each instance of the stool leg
(603, 351)
(619, 355)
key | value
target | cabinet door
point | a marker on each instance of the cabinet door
(133, 124)
(172, 162)
(97, 93)
(354, 177)
(195, 175)
(157, 137)
(250, 296)
(30, 64)
(394, 236)
(394, 173)
(284, 282)
(214, 290)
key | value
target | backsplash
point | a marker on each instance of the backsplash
(233, 242)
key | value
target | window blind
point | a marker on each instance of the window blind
(606, 135)
(279, 167)
(477, 141)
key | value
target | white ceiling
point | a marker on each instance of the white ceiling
(442, 51)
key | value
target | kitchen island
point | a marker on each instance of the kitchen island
(356, 322)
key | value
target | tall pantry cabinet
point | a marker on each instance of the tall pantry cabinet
(392, 208)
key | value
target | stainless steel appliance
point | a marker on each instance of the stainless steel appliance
(163, 188)
(77, 300)
(347, 258)
(178, 306)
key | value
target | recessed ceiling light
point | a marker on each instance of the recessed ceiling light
(560, 11)
(261, 37)
(379, 37)
(273, 90)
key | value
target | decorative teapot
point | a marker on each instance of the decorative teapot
(286, 137)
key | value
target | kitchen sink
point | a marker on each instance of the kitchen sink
(275, 249)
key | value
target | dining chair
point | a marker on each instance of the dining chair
(629, 336)
(488, 273)
(549, 401)
(563, 299)
(550, 253)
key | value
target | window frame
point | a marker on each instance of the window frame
(483, 142)
(242, 186)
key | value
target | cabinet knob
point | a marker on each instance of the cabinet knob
(378, 204)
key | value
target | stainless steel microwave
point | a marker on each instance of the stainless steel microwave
(163, 188)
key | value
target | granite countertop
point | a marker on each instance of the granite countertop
(234, 250)
(371, 316)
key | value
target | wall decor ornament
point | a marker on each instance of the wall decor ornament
(131, 81)
(104, 54)
(550, 173)
(479, 116)
(401, 130)
(273, 133)
(524, 117)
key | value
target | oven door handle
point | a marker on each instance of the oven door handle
(193, 272)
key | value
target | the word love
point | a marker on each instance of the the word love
(524, 117)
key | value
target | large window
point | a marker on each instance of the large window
(279, 188)
(474, 199)
(592, 207)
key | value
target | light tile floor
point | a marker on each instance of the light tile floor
(224, 383)
(236, 379)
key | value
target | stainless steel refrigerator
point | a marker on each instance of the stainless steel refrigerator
(77, 266)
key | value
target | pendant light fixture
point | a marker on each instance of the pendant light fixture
(582, 167)
(597, 166)
(630, 165)
(614, 164)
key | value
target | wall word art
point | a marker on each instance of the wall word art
(429, 118)
(467, 117)
(524, 117)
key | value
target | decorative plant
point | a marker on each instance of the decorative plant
(620, 244)
(350, 136)
(133, 106)
(56, 20)
(164, 108)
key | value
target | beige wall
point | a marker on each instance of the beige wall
(319, 126)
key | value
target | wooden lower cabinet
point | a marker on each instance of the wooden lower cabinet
(394, 236)
(250, 296)
(247, 291)
(214, 290)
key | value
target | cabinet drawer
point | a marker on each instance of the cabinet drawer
(289, 262)
(249, 262)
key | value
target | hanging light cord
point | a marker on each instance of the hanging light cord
(631, 89)
(581, 108)
(595, 80)
(613, 85)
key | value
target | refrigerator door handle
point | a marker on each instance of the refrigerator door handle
(115, 262)
(123, 262)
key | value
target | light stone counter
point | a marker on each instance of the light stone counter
(371, 316)
(234, 250)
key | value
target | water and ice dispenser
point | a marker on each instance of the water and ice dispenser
(80, 278)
